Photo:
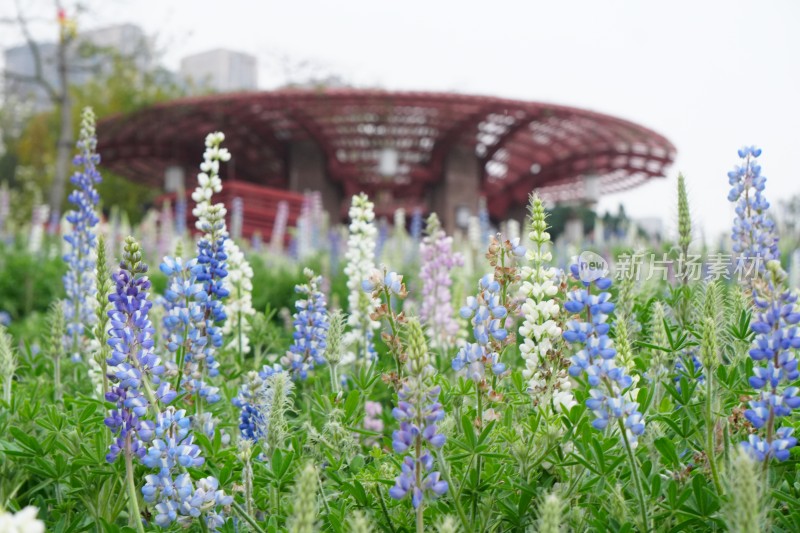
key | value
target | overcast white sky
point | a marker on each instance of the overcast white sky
(709, 75)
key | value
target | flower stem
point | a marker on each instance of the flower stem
(393, 324)
(479, 463)
(248, 486)
(247, 517)
(384, 510)
(418, 469)
(710, 425)
(334, 380)
(7, 388)
(465, 523)
(151, 398)
(322, 495)
(104, 366)
(133, 502)
(57, 377)
(180, 355)
(635, 474)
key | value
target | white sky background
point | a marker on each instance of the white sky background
(708, 75)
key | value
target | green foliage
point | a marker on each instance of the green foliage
(29, 282)
(53, 457)
(512, 462)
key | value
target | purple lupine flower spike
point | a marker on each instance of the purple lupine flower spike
(418, 411)
(437, 262)
(595, 357)
(488, 327)
(311, 328)
(79, 281)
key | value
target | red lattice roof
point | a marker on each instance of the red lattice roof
(520, 145)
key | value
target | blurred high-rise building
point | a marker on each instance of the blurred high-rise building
(221, 71)
(91, 55)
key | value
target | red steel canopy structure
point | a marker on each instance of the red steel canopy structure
(434, 151)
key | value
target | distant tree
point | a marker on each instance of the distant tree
(560, 214)
(46, 142)
(39, 150)
(58, 93)
(124, 89)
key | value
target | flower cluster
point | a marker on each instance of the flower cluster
(237, 217)
(372, 419)
(132, 364)
(488, 317)
(252, 399)
(24, 521)
(418, 410)
(184, 323)
(484, 223)
(80, 257)
(387, 289)
(310, 225)
(8, 361)
(416, 224)
(166, 229)
(595, 359)
(310, 328)
(545, 368)
(437, 262)
(39, 214)
(239, 306)
(775, 366)
(180, 215)
(174, 498)
(753, 231)
(279, 227)
(211, 268)
(360, 264)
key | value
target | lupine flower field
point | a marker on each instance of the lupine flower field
(398, 381)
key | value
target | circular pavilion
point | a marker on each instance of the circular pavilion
(416, 150)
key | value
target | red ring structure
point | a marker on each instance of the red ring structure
(518, 145)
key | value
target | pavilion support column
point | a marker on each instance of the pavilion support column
(459, 189)
(307, 172)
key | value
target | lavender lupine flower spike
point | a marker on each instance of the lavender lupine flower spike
(253, 401)
(184, 315)
(172, 496)
(775, 317)
(418, 411)
(132, 363)
(209, 271)
(596, 356)
(488, 320)
(310, 328)
(753, 232)
(133, 366)
(438, 260)
(775, 367)
(80, 258)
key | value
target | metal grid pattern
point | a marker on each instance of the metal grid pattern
(520, 145)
